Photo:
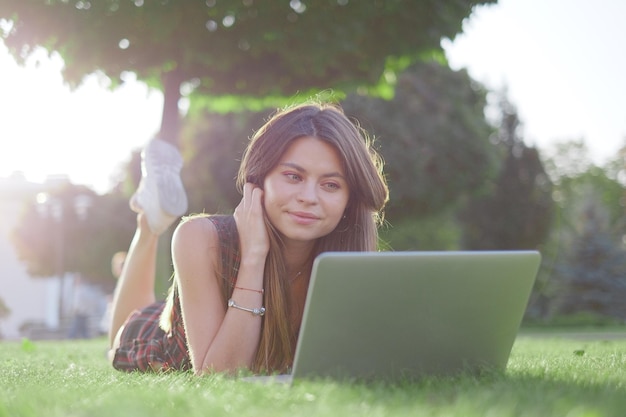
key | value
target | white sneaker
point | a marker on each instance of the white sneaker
(160, 195)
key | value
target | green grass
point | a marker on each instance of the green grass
(545, 377)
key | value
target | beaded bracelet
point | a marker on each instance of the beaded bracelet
(254, 311)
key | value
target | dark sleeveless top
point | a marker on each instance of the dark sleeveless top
(143, 342)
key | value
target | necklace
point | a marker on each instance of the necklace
(299, 273)
(295, 277)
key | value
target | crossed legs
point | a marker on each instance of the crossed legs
(159, 200)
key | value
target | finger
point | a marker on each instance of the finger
(248, 190)
(256, 197)
(251, 202)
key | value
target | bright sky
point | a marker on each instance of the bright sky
(563, 62)
(87, 134)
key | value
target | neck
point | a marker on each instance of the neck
(298, 260)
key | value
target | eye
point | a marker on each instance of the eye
(332, 185)
(292, 176)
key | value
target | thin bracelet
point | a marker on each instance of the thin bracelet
(255, 311)
(261, 291)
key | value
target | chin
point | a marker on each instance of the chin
(305, 236)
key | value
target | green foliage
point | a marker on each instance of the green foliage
(253, 51)
(28, 346)
(515, 211)
(568, 159)
(546, 376)
(450, 152)
(53, 245)
(437, 232)
(243, 48)
(573, 173)
(433, 137)
(586, 256)
(591, 270)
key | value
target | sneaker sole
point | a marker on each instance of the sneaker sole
(171, 192)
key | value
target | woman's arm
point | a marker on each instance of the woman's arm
(220, 338)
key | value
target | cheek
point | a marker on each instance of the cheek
(273, 198)
(338, 206)
(269, 193)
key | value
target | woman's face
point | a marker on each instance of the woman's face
(306, 193)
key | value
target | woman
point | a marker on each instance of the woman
(310, 183)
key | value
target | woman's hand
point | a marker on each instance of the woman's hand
(250, 218)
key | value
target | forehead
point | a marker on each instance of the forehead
(313, 150)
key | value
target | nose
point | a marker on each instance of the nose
(308, 193)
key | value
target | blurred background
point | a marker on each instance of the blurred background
(502, 126)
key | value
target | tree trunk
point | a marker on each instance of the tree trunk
(170, 120)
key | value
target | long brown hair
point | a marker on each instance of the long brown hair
(357, 231)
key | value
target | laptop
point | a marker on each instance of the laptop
(393, 316)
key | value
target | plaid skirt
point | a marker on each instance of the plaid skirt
(144, 346)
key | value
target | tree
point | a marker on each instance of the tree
(433, 137)
(568, 159)
(254, 52)
(515, 212)
(586, 254)
(590, 274)
(61, 239)
(573, 172)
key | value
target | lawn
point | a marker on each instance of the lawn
(548, 375)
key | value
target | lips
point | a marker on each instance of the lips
(301, 217)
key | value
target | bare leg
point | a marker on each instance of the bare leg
(135, 287)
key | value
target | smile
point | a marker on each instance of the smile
(303, 217)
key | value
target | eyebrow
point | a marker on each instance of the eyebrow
(301, 169)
